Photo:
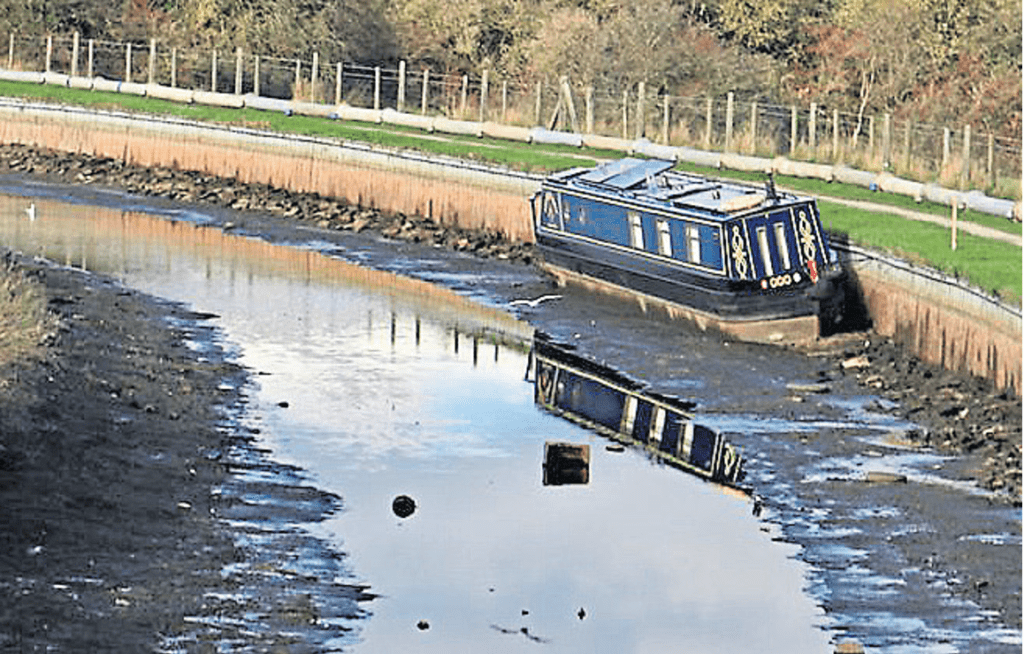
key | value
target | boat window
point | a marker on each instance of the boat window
(766, 252)
(664, 239)
(782, 243)
(636, 230)
(693, 236)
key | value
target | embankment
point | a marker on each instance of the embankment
(939, 319)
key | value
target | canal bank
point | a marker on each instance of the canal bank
(938, 318)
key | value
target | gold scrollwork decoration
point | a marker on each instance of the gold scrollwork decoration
(807, 237)
(739, 253)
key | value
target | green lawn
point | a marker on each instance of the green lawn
(991, 265)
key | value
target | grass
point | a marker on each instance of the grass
(23, 316)
(994, 266)
(991, 265)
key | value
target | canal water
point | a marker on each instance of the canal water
(377, 386)
(369, 385)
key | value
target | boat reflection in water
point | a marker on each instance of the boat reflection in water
(620, 408)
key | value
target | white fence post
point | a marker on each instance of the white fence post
(74, 54)
(400, 104)
(151, 76)
(238, 70)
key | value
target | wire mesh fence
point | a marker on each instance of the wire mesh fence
(955, 156)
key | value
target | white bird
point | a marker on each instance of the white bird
(534, 302)
(31, 211)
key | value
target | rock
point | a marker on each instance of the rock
(856, 362)
(878, 477)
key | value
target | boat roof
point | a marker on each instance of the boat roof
(653, 180)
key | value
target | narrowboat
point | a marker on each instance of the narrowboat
(752, 262)
(617, 407)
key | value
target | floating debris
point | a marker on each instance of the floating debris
(403, 506)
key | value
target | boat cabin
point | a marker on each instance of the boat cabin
(733, 231)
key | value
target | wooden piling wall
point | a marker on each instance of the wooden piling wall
(941, 322)
(453, 192)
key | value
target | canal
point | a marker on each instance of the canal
(378, 371)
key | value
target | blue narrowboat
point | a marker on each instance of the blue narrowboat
(754, 263)
(617, 407)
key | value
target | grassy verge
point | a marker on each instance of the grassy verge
(992, 265)
(23, 316)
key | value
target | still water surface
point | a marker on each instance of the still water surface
(397, 387)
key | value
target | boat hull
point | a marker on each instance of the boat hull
(791, 316)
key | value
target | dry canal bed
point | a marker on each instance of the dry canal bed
(362, 386)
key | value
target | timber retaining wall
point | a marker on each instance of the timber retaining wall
(938, 318)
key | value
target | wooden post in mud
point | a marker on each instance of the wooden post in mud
(74, 54)
(238, 70)
(151, 73)
(49, 51)
(400, 104)
(425, 92)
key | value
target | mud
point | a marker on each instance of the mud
(119, 465)
(120, 423)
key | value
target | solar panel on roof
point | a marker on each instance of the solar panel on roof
(625, 173)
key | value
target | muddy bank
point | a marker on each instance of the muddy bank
(309, 208)
(119, 465)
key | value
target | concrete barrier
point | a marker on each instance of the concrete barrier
(314, 109)
(607, 143)
(21, 76)
(107, 85)
(978, 201)
(392, 117)
(892, 184)
(745, 163)
(550, 137)
(848, 175)
(261, 103)
(229, 100)
(79, 82)
(348, 112)
(507, 132)
(655, 151)
(700, 157)
(939, 195)
(171, 93)
(132, 88)
(56, 79)
(463, 127)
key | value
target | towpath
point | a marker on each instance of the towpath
(962, 225)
